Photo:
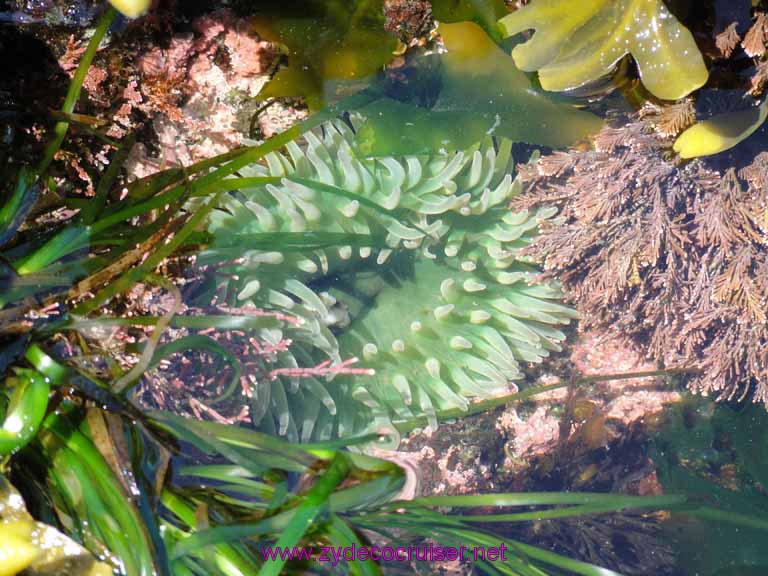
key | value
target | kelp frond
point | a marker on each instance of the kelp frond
(575, 44)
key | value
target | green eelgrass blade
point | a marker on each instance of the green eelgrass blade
(133, 210)
(71, 239)
(16, 208)
(562, 562)
(82, 233)
(406, 426)
(96, 204)
(250, 449)
(528, 553)
(323, 449)
(336, 191)
(519, 556)
(60, 130)
(313, 504)
(90, 494)
(290, 524)
(150, 461)
(46, 365)
(25, 412)
(231, 533)
(149, 186)
(227, 559)
(342, 536)
(230, 476)
(728, 517)
(237, 183)
(362, 496)
(153, 184)
(544, 499)
(134, 275)
(90, 386)
(368, 494)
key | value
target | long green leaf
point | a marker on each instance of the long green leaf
(314, 502)
(16, 208)
(26, 411)
(342, 536)
(71, 239)
(229, 560)
(96, 204)
(544, 499)
(134, 275)
(73, 93)
(97, 498)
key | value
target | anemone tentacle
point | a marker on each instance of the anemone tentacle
(440, 305)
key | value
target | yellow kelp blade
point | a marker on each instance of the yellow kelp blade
(16, 552)
(36, 548)
(721, 132)
(578, 42)
(131, 8)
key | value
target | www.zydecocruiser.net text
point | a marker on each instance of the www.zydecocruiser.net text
(429, 553)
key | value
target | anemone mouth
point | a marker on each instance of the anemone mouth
(426, 287)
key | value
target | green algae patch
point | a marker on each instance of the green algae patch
(577, 43)
(326, 43)
(486, 13)
(418, 130)
(482, 93)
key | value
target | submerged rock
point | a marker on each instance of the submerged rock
(69, 13)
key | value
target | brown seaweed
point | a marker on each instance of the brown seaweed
(757, 36)
(674, 256)
(727, 40)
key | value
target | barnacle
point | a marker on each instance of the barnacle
(576, 44)
(438, 306)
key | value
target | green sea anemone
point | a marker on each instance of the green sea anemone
(428, 291)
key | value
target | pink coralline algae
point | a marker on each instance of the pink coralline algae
(621, 402)
(194, 90)
(628, 400)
